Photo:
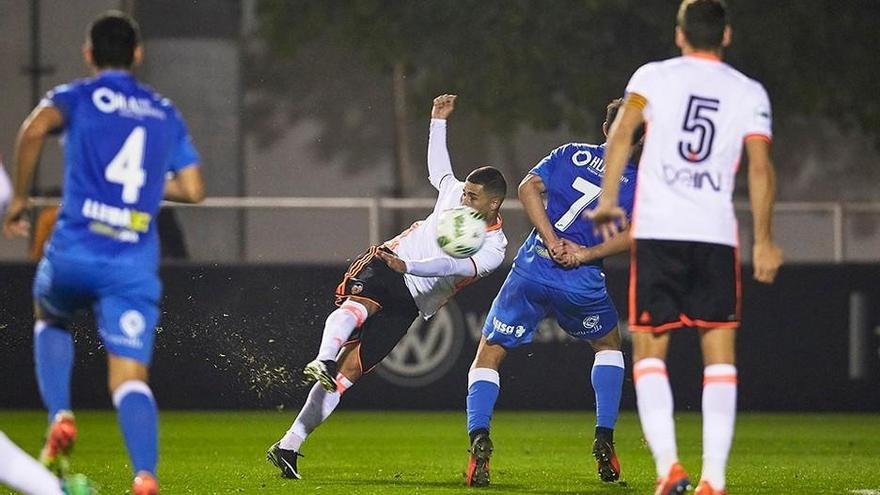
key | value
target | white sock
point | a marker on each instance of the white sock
(719, 416)
(23, 473)
(338, 328)
(318, 407)
(654, 399)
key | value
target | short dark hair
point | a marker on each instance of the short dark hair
(491, 179)
(703, 22)
(611, 114)
(113, 38)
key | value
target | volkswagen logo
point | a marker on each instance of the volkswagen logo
(427, 351)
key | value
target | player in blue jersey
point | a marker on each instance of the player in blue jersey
(557, 272)
(125, 147)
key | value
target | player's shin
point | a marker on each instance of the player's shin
(719, 416)
(483, 388)
(318, 407)
(138, 420)
(607, 380)
(655, 405)
(338, 328)
(53, 358)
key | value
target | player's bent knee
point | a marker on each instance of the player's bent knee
(130, 387)
(121, 370)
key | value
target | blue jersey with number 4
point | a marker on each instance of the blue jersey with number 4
(121, 138)
(572, 176)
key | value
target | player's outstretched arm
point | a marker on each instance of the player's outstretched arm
(28, 145)
(431, 267)
(608, 217)
(186, 187)
(439, 163)
(766, 255)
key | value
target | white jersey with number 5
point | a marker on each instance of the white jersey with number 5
(699, 112)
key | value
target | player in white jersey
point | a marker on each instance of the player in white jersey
(23, 473)
(386, 288)
(700, 113)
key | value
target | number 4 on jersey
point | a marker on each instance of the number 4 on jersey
(126, 168)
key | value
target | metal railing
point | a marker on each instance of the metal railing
(837, 212)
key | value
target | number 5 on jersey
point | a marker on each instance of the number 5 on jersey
(126, 168)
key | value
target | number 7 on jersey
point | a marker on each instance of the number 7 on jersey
(589, 192)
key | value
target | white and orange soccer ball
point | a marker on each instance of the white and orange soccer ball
(461, 231)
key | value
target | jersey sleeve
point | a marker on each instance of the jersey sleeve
(439, 163)
(490, 257)
(641, 82)
(759, 119)
(545, 168)
(63, 98)
(184, 154)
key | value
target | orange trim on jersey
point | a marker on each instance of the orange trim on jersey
(340, 299)
(353, 270)
(394, 242)
(708, 380)
(635, 100)
(705, 56)
(632, 285)
(758, 135)
(708, 324)
(672, 325)
(638, 373)
(496, 225)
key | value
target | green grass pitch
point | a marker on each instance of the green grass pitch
(424, 452)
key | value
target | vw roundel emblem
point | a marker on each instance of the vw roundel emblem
(427, 351)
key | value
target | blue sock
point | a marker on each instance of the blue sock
(53, 359)
(483, 387)
(607, 378)
(138, 420)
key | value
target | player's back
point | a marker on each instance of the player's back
(121, 139)
(572, 177)
(699, 112)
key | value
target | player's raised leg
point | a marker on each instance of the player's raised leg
(655, 405)
(318, 407)
(719, 407)
(338, 327)
(607, 379)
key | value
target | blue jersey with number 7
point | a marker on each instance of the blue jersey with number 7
(120, 140)
(572, 176)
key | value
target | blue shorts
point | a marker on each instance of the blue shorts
(521, 304)
(124, 298)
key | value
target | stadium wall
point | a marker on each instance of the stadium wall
(235, 336)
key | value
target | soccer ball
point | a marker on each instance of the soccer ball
(461, 231)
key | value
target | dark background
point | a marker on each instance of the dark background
(237, 336)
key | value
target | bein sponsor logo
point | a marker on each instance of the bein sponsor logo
(692, 179)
